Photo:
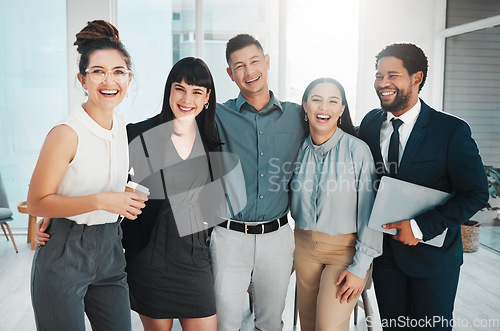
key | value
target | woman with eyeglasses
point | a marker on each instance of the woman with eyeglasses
(79, 182)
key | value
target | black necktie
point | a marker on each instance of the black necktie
(393, 155)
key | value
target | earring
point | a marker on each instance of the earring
(85, 93)
(305, 117)
(206, 105)
(340, 120)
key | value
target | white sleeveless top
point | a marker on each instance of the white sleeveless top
(100, 163)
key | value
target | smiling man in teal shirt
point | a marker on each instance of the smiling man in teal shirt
(255, 245)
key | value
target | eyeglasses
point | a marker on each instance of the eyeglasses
(99, 75)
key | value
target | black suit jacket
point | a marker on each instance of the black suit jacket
(440, 154)
(137, 233)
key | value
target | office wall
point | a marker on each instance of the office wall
(384, 22)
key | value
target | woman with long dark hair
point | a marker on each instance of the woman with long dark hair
(168, 262)
(332, 194)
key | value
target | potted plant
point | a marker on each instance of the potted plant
(470, 229)
(493, 186)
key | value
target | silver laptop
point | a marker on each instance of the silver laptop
(398, 200)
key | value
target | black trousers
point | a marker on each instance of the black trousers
(409, 303)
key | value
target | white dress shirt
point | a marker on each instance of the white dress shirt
(408, 118)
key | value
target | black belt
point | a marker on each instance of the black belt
(248, 228)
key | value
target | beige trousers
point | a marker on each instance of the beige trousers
(319, 260)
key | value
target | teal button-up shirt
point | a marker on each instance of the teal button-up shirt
(266, 143)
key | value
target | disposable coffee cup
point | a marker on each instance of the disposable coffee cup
(142, 192)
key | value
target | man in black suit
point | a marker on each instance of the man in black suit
(415, 283)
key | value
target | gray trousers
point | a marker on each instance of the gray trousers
(80, 270)
(265, 261)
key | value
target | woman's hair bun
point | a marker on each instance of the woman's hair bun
(95, 30)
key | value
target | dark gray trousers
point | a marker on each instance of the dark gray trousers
(81, 270)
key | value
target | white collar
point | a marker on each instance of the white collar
(409, 116)
(92, 125)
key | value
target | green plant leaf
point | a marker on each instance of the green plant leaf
(493, 175)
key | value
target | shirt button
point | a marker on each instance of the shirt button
(261, 132)
(261, 175)
(261, 197)
(261, 153)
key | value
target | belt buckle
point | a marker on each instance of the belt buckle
(261, 226)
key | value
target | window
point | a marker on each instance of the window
(33, 85)
(472, 75)
(460, 12)
(322, 41)
(146, 31)
(308, 55)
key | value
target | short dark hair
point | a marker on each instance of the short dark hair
(238, 42)
(194, 71)
(413, 57)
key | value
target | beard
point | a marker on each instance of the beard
(400, 101)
